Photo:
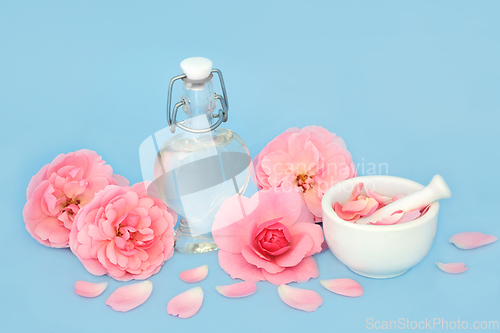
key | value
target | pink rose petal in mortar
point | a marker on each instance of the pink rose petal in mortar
(343, 215)
(410, 216)
(381, 199)
(356, 192)
(452, 268)
(354, 206)
(129, 297)
(397, 197)
(194, 275)
(89, 289)
(425, 209)
(235, 290)
(186, 304)
(344, 287)
(301, 299)
(389, 220)
(471, 240)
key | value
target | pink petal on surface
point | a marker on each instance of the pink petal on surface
(452, 268)
(130, 296)
(89, 289)
(344, 287)
(301, 299)
(471, 240)
(186, 304)
(235, 290)
(194, 275)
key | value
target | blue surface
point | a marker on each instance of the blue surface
(414, 84)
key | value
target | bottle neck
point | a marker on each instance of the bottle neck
(199, 104)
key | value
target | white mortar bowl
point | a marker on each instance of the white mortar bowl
(378, 251)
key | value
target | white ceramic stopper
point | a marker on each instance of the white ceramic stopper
(197, 68)
(437, 189)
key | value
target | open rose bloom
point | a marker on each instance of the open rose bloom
(60, 189)
(123, 233)
(271, 236)
(310, 160)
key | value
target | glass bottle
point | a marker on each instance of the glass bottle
(202, 164)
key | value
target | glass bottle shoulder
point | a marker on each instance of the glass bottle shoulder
(221, 138)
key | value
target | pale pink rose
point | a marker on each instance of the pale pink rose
(271, 236)
(123, 233)
(310, 160)
(60, 189)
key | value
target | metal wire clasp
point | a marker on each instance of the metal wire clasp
(222, 116)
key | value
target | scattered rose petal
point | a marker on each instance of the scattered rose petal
(452, 268)
(89, 289)
(301, 299)
(240, 289)
(186, 304)
(344, 287)
(194, 275)
(130, 296)
(471, 240)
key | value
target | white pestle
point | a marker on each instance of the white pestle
(437, 189)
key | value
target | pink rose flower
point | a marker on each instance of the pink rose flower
(124, 233)
(311, 160)
(271, 236)
(60, 189)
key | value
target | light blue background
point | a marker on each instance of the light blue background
(414, 84)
